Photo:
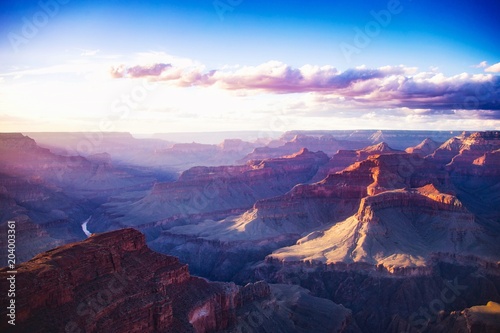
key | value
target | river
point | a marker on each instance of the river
(84, 227)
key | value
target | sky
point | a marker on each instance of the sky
(235, 65)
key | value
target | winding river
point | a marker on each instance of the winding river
(84, 227)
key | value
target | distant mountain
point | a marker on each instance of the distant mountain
(325, 143)
(347, 215)
(157, 153)
(344, 158)
(208, 190)
(424, 148)
(398, 139)
(49, 195)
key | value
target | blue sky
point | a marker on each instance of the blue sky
(239, 64)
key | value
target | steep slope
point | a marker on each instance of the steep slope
(49, 195)
(344, 158)
(112, 282)
(399, 228)
(221, 248)
(209, 190)
(408, 300)
(466, 148)
(22, 157)
(476, 319)
(424, 148)
(475, 173)
(308, 206)
(325, 143)
(398, 139)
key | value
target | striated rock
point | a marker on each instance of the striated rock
(112, 282)
(308, 206)
(426, 147)
(445, 153)
(344, 158)
(74, 173)
(380, 303)
(466, 149)
(52, 194)
(379, 173)
(325, 143)
(293, 309)
(398, 228)
(475, 173)
(283, 220)
(206, 190)
(476, 319)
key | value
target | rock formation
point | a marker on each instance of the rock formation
(205, 190)
(113, 282)
(49, 195)
(344, 158)
(379, 233)
(424, 148)
(476, 319)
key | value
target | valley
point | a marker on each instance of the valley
(364, 231)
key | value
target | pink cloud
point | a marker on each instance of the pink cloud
(389, 86)
(139, 71)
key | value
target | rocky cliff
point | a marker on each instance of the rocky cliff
(409, 301)
(465, 149)
(206, 190)
(476, 319)
(50, 194)
(325, 143)
(113, 282)
(424, 148)
(282, 220)
(398, 228)
(344, 158)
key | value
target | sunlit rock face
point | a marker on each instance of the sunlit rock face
(380, 232)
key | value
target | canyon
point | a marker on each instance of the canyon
(373, 226)
(113, 282)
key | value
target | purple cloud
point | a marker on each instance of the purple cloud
(139, 71)
(390, 86)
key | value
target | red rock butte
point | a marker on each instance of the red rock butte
(112, 282)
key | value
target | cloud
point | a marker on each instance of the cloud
(482, 64)
(138, 71)
(387, 87)
(493, 68)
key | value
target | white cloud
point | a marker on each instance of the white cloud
(482, 64)
(493, 68)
